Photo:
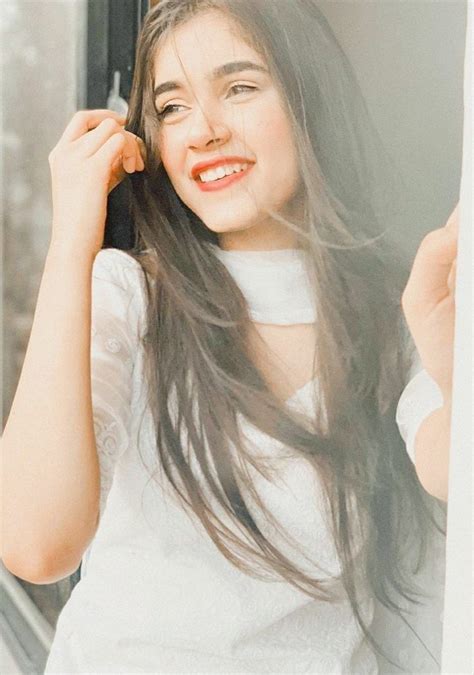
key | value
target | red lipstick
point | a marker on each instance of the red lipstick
(220, 183)
(217, 161)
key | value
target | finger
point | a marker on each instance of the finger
(94, 139)
(117, 165)
(129, 163)
(118, 173)
(134, 150)
(139, 149)
(85, 120)
(136, 147)
(111, 149)
(140, 163)
(143, 153)
(452, 277)
(428, 281)
(131, 153)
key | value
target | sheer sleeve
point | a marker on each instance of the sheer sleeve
(420, 398)
(117, 320)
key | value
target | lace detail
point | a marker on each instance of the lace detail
(419, 399)
(117, 321)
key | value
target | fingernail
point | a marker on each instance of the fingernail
(129, 164)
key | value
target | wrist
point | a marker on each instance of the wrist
(71, 251)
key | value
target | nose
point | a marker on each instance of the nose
(208, 130)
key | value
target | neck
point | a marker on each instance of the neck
(266, 236)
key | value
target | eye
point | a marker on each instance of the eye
(161, 114)
(169, 109)
(245, 87)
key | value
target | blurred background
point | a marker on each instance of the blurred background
(59, 56)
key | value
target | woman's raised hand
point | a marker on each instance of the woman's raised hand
(428, 302)
(92, 157)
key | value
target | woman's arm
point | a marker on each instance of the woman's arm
(50, 470)
(50, 466)
(432, 443)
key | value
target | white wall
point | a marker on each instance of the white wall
(409, 59)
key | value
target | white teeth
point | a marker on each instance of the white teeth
(221, 171)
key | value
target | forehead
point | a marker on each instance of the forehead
(201, 43)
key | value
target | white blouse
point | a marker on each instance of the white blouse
(155, 594)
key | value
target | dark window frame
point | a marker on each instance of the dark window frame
(112, 30)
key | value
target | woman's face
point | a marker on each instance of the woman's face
(219, 107)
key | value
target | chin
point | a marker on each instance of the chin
(230, 218)
(221, 226)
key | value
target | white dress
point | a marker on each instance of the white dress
(155, 594)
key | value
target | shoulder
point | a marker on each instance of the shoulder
(119, 286)
(123, 270)
(116, 265)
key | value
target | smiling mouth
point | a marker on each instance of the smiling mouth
(211, 175)
(223, 181)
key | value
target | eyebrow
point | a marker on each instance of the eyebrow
(217, 73)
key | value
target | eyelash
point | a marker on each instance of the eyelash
(166, 110)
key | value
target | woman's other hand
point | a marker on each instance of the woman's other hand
(428, 302)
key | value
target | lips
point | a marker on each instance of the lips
(222, 183)
(218, 161)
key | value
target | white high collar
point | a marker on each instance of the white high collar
(274, 283)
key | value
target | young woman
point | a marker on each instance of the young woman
(221, 422)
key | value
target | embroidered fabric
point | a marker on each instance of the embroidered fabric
(117, 319)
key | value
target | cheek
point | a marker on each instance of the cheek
(274, 131)
(279, 130)
(277, 142)
(276, 114)
(170, 155)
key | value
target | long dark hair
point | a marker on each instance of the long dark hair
(198, 326)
